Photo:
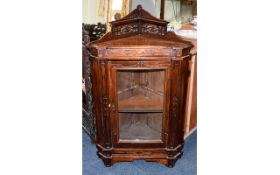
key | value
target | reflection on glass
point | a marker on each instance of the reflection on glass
(140, 126)
(140, 91)
(140, 104)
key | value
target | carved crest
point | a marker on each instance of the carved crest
(139, 21)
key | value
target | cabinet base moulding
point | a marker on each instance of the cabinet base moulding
(163, 159)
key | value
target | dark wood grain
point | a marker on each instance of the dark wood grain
(140, 81)
(91, 32)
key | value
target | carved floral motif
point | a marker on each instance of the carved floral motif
(153, 29)
(125, 29)
(139, 52)
(137, 22)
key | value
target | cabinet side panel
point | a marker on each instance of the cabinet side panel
(185, 73)
(105, 103)
(97, 96)
(174, 103)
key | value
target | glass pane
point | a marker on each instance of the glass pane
(140, 126)
(140, 90)
(140, 104)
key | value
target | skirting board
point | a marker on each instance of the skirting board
(189, 133)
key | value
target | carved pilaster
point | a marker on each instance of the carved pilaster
(105, 107)
(174, 107)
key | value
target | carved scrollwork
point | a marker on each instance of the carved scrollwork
(134, 52)
(90, 101)
(153, 29)
(125, 29)
(138, 21)
(139, 52)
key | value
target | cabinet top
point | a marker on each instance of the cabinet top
(171, 40)
(139, 29)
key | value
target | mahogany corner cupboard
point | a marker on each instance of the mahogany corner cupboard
(137, 89)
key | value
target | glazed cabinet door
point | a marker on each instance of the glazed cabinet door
(138, 97)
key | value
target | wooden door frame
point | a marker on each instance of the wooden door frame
(114, 66)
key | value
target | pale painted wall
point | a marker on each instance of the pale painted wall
(148, 5)
(185, 11)
(153, 6)
(91, 7)
(90, 12)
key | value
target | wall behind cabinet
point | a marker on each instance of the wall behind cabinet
(91, 8)
(90, 12)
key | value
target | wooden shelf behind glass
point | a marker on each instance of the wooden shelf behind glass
(140, 103)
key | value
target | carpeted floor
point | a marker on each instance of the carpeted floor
(92, 165)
